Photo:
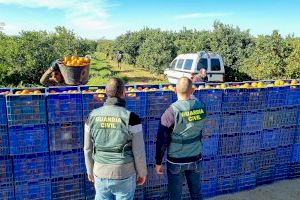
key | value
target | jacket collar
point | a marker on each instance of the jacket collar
(115, 101)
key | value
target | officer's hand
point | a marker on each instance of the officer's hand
(91, 177)
(159, 169)
(141, 180)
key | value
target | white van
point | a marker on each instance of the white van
(190, 64)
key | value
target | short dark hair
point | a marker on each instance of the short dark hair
(114, 87)
(184, 85)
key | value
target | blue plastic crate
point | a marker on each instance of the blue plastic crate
(4, 143)
(229, 144)
(210, 145)
(294, 170)
(64, 136)
(7, 191)
(256, 98)
(228, 165)
(297, 135)
(64, 106)
(265, 176)
(92, 97)
(6, 169)
(153, 179)
(139, 193)
(68, 187)
(147, 87)
(38, 189)
(287, 135)
(150, 147)
(281, 172)
(150, 130)
(273, 118)
(289, 116)
(159, 192)
(270, 138)
(3, 114)
(246, 181)
(296, 153)
(136, 102)
(157, 102)
(276, 96)
(170, 87)
(209, 187)
(252, 121)
(283, 155)
(250, 142)
(212, 99)
(231, 123)
(293, 95)
(89, 190)
(26, 109)
(212, 125)
(28, 139)
(249, 162)
(65, 163)
(31, 166)
(267, 159)
(226, 184)
(234, 100)
(209, 167)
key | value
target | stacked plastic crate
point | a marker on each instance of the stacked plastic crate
(212, 99)
(157, 101)
(273, 116)
(293, 100)
(233, 106)
(64, 108)
(6, 167)
(93, 97)
(251, 133)
(28, 140)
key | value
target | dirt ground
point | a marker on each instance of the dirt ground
(283, 190)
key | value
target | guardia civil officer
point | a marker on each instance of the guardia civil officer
(114, 147)
(180, 133)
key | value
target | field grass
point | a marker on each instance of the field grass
(103, 69)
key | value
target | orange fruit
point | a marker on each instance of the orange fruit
(67, 58)
(87, 60)
(25, 91)
(75, 57)
(74, 62)
(18, 92)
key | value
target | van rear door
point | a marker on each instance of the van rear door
(216, 71)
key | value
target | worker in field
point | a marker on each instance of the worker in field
(179, 132)
(119, 57)
(201, 77)
(53, 76)
(114, 147)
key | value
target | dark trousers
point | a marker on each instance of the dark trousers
(176, 173)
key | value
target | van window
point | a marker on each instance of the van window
(188, 64)
(173, 64)
(202, 64)
(179, 64)
(215, 64)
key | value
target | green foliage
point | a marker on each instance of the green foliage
(156, 52)
(245, 56)
(267, 60)
(24, 58)
(293, 60)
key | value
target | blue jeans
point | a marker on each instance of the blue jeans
(176, 173)
(115, 189)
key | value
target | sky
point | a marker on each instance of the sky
(95, 19)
